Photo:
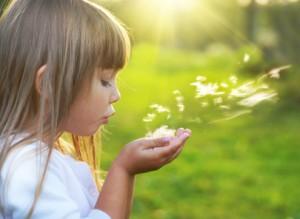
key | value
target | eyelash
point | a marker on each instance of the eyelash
(105, 83)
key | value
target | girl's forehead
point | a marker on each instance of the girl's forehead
(109, 73)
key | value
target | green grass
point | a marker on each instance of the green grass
(243, 168)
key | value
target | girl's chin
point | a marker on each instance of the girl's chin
(89, 132)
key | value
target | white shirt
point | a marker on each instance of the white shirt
(69, 190)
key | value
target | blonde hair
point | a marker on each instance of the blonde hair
(72, 38)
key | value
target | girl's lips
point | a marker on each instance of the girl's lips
(107, 117)
(104, 120)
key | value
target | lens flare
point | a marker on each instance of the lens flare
(175, 5)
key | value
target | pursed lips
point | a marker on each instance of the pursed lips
(105, 119)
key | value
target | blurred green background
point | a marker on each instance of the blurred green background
(243, 168)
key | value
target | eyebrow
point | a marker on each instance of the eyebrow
(104, 73)
(111, 74)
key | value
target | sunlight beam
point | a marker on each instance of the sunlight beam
(175, 5)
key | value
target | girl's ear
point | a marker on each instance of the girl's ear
(39, 77)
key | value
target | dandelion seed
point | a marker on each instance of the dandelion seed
(149, 117)
(160, 108)
(201, 78)
(180, 107)
(224, 85)
(218, 100)
(243, 90)
(203, 90)
(225, 97)
(226, 107)
(204, 104)
(256, 98)
(246, 58)
(233, 79)
(176, 92)
(179, 100)
(154, 105)
(275, 73)
(163, 131)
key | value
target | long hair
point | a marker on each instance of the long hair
(72, 38)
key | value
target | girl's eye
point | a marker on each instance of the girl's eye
(105, 83)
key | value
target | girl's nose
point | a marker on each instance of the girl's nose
(115, 97)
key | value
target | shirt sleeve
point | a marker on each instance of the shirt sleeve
(54, 200)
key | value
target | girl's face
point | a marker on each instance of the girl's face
(92, 109)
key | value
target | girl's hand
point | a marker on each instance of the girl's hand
(143, 155)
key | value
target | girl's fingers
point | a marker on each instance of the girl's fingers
(180, 139)
(176, 154)
(176, 143)
(160, 142)
(156, 142)
(179, 132)
(188, 131)
(169, 151)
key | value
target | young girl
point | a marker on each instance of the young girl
(58, 65)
